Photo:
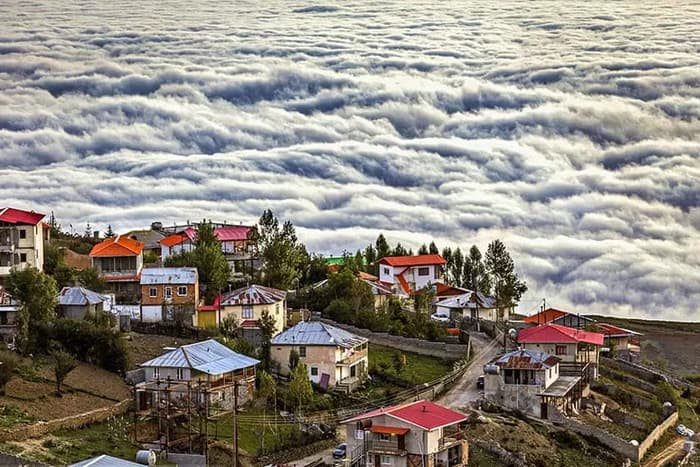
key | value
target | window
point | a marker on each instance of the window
(156, 373)
(423, 271)
(152, 292)
(22, 257)
(222, 396)
(386, 460)
(180, 374)
(314, 371)
(168, 292)
(387, 271)
(561, 350)
(302, 351)
(359, 434)
(22, 233)
(182, 291)
(384, 437)
(277, 309)
(247, 312)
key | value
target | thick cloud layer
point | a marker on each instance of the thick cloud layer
(569, 130)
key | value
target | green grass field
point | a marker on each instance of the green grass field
(419, 369)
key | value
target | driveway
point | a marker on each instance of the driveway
(465, 390)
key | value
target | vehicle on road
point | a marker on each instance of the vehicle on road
(440, 318)
(480, 382)
(340, 451)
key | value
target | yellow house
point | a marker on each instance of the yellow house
(247, 305)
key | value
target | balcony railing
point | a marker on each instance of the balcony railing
(386, 447)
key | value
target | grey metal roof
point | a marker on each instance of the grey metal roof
(79, 296)
(253, 295)
(210, 357)
(468, 300)
(526, 359)
(156, 276)
(317, 333)
(105, 461)
(149, 237)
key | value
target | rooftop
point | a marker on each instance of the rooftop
(561, 387)
(526, 360)
(155, 276)
(79, 296)
(210, 357)
(19, 216)
(423, 414)
(105, 461)
(546, 316)
(418, 260)
(253, 295)
(608, 330)
(117, 246)
(558, 334)
(468, 300)
(317, 333)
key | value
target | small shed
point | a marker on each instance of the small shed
(77, 302)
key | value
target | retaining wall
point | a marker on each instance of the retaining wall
(72, 422)
(407, 344)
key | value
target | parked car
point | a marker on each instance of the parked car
(440, 318)
(340, 451)
(480, 382)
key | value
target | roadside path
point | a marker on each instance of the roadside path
(464, 391)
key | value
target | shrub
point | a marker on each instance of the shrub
(9, 361)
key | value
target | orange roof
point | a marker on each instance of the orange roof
(419, 260)
(389, 430)
(172, 240)
(366, 276)
(117, 246)
(404, 284)
(546, 316)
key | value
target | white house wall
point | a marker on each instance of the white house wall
(151, 313)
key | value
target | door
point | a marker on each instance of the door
(377, 461)
(543, 410)
(402, 442)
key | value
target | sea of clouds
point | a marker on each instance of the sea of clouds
(570, 130)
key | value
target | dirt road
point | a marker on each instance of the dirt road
(465, 390)
(671, 452)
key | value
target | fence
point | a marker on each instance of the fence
(408, 344)
(71, 422)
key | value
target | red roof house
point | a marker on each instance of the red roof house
(546, 316)
(407, 274)
(555, 333)
(117, 246)
(418, 260)
(19, 216)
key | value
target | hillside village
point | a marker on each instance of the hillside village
(215, 344)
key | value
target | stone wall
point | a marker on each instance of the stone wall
(645, 445)
(72, 422)
(407, 344)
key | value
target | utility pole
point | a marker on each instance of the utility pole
(235, 424)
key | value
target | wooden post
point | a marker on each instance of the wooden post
(235, 424)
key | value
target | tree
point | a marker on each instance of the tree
(382, 247)
(475, 276)
(267, 329)
(293, 359)
(88, 232)
(400, 250)
(8, 363)
(433, 249)
(90, 279)
(109, 233)
(506, 286)
(300, 389)
(456, 266)
(36, 293)
(229, 326)
(267, 387)
(64, 363)
(423, 250)
(214, 271)
(371, 257)
(281, 251)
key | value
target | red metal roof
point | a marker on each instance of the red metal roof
(557, 334)
(389, 430)
(404, 284)
(250, 323)
(117, 246)
(419, 260)
(18, 216)
(227, 234)
(424, 414)
(613, 331)
(546, 316)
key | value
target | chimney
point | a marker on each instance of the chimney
(424, 408)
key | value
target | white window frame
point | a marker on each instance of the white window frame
(386, 460)
(156, 373)
(561, 350)
(384, 437)
(424, 268)
(387, 271)
(314, 371)
(153, 292)
(247, 312)
(22, 255)
(168, 292)
(180, 288)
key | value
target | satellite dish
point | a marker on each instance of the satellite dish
(512, 333)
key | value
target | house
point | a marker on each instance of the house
(105, 461)
(407, 274)
(416, 434)
(239, 243)
(247, 306)
(532, 381)
(208, 362)
(622, 342)
(169, 294)
(334, 357)
(563, 318)
(8, 316)
(471, 305)
(568, 344)
(78, 302)
(119, 261)
(150, 238)
(381, 293)
(22, 235)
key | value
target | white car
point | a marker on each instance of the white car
(440, 318)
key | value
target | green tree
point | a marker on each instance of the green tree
(90, 279)
(475, 276)
(456, 267)
(423, 250)
(36, 293)
(382, 247)
(433, 249)
(268, 328)
(8, 363)
(64, 276)
(87, 235)
(399, 250)
(267, 387)
(293, 359)
(506, 286)
(371, 258)
(229, 326)
(214, 271)
(300, 389)
(109, 233)
(281, 251)
(64, 363)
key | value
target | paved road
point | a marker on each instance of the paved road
(465, 390)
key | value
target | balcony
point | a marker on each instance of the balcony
(393, 448)
(452, 439)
